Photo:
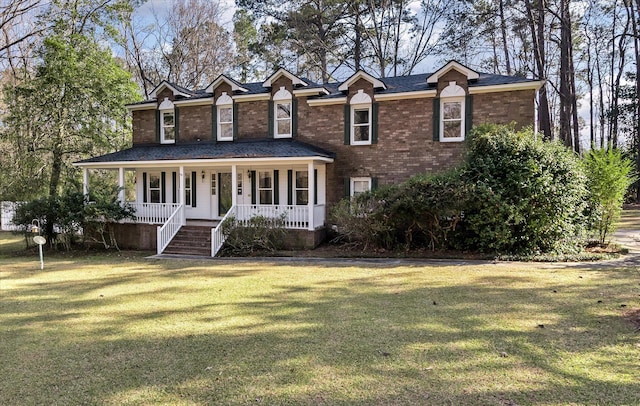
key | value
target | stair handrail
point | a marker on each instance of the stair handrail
(217, 236)
(169, 229)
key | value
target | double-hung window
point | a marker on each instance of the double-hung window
(167, 129)
(302, 188)
(282, 114)
(360, 119)
(452, 113)
(265, 187)
(225, 117)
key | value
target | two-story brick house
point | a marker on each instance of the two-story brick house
(288, 145)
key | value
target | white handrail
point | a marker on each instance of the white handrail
(217, 237)
(295, 217)
(170, 228)
(153, 213)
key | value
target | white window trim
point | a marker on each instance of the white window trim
(260, 189)
(460, 100)
(360, 101)
(282, 96)
(452, 94)
(167, 107)
(358, 179)
(188, 191)
(224, 102)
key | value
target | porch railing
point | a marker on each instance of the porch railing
(170, 228)
(153, 213)
(217, 237)
(295, 217)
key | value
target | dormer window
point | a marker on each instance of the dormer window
(224, 104)
(282, 104)
(452, 113)
(361, 119)
(167, 122)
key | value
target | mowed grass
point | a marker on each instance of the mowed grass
(630, 219)
(121, 330)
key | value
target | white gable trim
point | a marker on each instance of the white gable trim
(222, 78)
(314, 91)
(534, 85)
(166, 104)
(166, 85)
(377, 83)
(142, 106)
(283, 72)
(469, 73)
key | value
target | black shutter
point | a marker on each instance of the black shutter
(214, 123)
(294, 117)
(158, 118)
(176, 123)
(289, 187)
(144, 187)
(347, 187)
(254, 191)
(193, 189)
(374, 183)
(174, 187)
(276, 187)
(374, 123)
(235, 121)
(315, 186)
(347, 124)
(163, 187)
(436, 119)
(270, 120)
(468, 114)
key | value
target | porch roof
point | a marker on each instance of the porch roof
(210, 150)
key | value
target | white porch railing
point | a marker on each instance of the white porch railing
(170, 228)
(217, 237)
(295, 217)
(153, 213)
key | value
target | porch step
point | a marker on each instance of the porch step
(191, 240)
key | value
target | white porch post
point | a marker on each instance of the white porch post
(121, 191)
(312, 197)
(234, 185)
(181, 194)
(85, 181)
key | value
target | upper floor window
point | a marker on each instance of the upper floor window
(167, 122)
(225, 117)
(282, 103)
(360, 118)
(452, 113)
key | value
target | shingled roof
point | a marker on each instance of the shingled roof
(239, 149)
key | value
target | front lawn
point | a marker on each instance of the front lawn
(121, 330)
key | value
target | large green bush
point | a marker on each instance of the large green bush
(609, 176)
(528, 195)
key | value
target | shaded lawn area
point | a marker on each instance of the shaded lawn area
(122, 330)
(630, 218)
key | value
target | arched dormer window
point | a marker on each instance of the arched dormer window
(167, 122)
(452, 113)
(361, 118)
(283, 114)
(224, 106)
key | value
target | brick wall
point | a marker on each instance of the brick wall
(253, 119)
(194, 123)
(144, 126)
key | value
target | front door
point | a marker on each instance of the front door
(225, 200)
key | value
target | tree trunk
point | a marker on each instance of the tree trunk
(503, 30)
(566, 104)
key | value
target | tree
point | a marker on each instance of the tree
(72, 108)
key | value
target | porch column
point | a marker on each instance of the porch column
(121, 191)
(312, 195)
(85, 181)
(234, 185)
(181, 194)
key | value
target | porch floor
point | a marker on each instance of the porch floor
(203, 223)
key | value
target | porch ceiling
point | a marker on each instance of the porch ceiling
(239, 150)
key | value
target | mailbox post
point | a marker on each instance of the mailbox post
(38, 239)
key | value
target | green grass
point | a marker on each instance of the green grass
(630, 219)
(121, 330)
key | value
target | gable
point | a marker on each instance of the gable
(376, 83)
(452, 65)
(296, 81)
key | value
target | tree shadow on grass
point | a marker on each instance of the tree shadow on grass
(388, 337)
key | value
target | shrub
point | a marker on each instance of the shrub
(259, 233)
(421, 212)
(609, 176)
(528, 195)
